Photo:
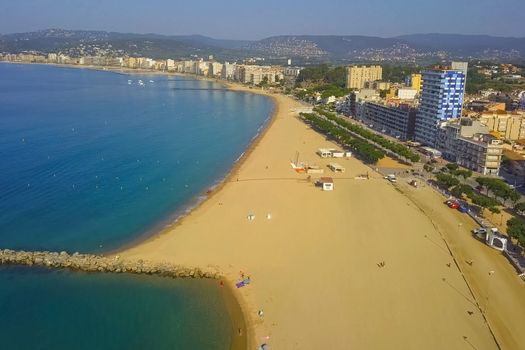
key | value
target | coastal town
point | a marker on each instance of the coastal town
(478, 131)
(378, 200)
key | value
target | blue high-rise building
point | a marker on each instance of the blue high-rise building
(441, 99)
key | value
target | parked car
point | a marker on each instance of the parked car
(479, 231)
(463, 209)
(391, 178)
(453, 204)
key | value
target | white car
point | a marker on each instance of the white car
(480, 231)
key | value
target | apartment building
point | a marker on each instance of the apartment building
(466, 142)
(507, 125)
(441, 99)
(214, 69)
(228, 71)
(397, 121)
(252, 74)
(358, 76)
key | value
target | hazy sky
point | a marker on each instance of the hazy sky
(247, 19)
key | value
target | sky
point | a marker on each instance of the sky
(247, 19)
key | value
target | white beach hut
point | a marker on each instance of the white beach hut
(327, 183)
(336, 168)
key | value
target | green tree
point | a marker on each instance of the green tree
(465, 174)
(452, 166)
(264, 81)
(429, 168)
(323, 74)
(494, 210)
(446, 180)
(398, 74)
(520, 207)
(514, 196)
(516, 229)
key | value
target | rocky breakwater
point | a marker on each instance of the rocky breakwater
(98, 263)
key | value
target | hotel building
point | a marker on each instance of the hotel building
(441, 100)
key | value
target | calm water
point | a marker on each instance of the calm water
(88, 163)
(44, 309)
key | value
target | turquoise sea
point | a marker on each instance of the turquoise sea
(91, 161)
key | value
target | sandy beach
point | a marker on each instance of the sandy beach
(314, 258)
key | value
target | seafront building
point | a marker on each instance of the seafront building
(214, 69)
(252, 74)
(348, 107)
(170, 65)
(468, 143)
(397, 121)
(358, 76)
(228, 71)
(441, 99)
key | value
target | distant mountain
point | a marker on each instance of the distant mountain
(411, 48)
(81, 42)
(207, 41)
(324, 46)
(468, 45)
(416, 48)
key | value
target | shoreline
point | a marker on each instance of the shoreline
(318, 255)
(194, 203)
(235, 305)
